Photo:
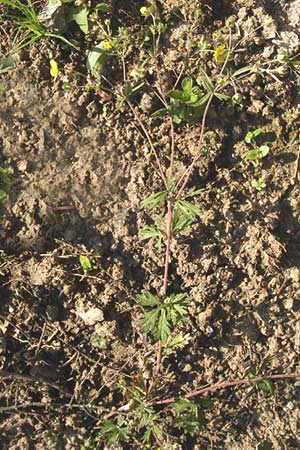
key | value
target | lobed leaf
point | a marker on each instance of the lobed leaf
(154, 200)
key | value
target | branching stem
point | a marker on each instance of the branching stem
(224, 385)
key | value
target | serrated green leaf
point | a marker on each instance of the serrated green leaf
(181, 405)
(163, 329)
(220, 96)
(179, 341)
(114, 432)
(189, 209)
(150, 319)
(148, 233)
(154, 200)
(148, 299)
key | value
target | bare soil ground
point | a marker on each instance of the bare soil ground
(80, 168)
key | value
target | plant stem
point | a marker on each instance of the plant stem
(186, 176)
(224, 385)
(137, 118)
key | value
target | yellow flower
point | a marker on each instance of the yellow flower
(107, 45)
(53, 68)
(220, 53)
(146, 11)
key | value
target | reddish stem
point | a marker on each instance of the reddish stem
(185, 177)
(226, 384)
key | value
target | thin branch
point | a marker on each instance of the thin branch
(137, 118)
(225, 385)
(4, 375)
(185, 177)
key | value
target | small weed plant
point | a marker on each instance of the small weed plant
(146, 411)
(172, 211)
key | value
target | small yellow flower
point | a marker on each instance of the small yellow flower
(220, 53)
(107, 45)
(53, 68)
(145, 11)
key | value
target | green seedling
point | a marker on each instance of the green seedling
(29, 25)
(259, 184)
(85, 264)
(186, 104)
(252, 135)
(257, 153)
(265, 386)
(100, 342)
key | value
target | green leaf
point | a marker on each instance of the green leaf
(7, 63)
(181, 221)
(163, 328)
(221, 96)
(179, 341)
(85, 263)
(148, 299)
(113, 431)
(193, 192)
(243, 70)
(264, 150)
(266, 386)
(189, 209)
(252, 135)
(181, 405)
(103, 7)
(207, 82)
(160, 113)
(150, 319)
(3, 195)
(257, 153)
(157, 199)
(97, 57)
(187, 84)
(202, 100)
(178, 95)
(80, 16)
(189, 417)
(148, 233)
